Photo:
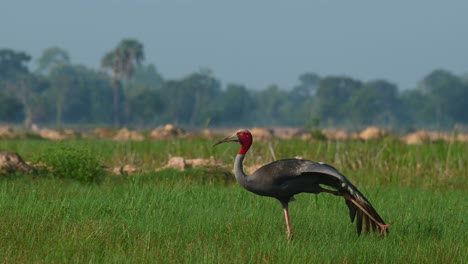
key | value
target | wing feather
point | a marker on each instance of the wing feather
(293, 176)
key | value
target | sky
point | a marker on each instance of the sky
(252, 42)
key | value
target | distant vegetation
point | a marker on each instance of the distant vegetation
(126, 92)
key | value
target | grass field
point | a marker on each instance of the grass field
(199, 216)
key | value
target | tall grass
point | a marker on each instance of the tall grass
(143, 219)
(201, 216)
(438, 165)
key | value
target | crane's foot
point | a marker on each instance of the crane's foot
(383, 229)
(290, 235)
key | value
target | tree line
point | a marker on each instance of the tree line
(127, 92)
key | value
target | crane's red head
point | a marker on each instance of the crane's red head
(243, 136)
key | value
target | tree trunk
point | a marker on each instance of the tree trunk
(116, 102)
(23, 95)
(59, 110)
(28, 122)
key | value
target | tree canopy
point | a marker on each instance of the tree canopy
(126, 92)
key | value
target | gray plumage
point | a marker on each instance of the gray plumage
(285, 178)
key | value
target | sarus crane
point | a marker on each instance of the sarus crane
(282, 179)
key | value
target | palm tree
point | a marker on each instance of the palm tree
(122, 62)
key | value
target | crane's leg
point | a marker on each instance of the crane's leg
(288, 222)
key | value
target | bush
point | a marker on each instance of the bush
(75, 163)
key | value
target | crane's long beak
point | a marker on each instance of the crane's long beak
(232, 138)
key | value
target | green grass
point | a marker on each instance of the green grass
(200, 216)
(144, 220)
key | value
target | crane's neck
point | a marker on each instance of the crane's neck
(241, 177)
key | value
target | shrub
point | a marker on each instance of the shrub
(77, 163)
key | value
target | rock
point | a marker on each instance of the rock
(335, 134)
(288, 132)
(166, 132)
(177, 163)
(103, 132)
(208, 133)
(306, 136)
(462, 137)
(11, 162)
(372, 133)
(124, 135)
(7, 132)
(418, 137)
(180, 163)
(70, 133)
(423, 136)
(126, 169)
(193, 163)
(51, 134)
(262, 134)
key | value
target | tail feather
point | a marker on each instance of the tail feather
(359, 223)
(358, 205)
(373, 226)
(352, 210)
(366, 224)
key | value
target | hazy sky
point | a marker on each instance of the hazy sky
(253, 42)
